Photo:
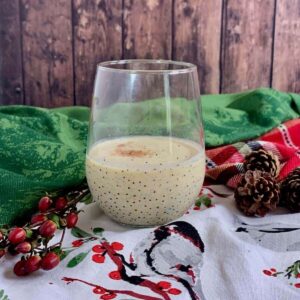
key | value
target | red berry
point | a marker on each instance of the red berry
(164, 285)
(39, 218)
(196, 208)
(298, 275)
(77, 243)
(115, 275)
(99, 290)
(108, 296)
(44, 204)
(71, 219)
(50, 261)
(273, 270)
(61, 203)
(267, 272)
(98, 258)
(2, 252)
(33, 263)
(297, 285)
(98, 249)
(117, 246)
(19, 268)
(17, 235)
(47, 229)
(174, 291)
(23, 247)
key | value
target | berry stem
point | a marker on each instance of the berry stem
(124, 292)
(58, 244)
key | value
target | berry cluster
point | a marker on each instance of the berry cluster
(32, 240)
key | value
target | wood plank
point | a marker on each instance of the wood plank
(11, 86)
(247, 44)
(197, 36)
(97, 38)
(148, 29)
(47, 52)
(286, 66)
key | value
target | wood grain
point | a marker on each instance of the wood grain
(47, 52)
(97, 38)
(247, 44)
(49, 58)
(147, 28)
(286, 70)
(11, 89)
(197, 36)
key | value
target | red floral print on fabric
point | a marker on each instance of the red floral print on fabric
(98, 258)
(291, 273)
(112, 251)
(77, 243)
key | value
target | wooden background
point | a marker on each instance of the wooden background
(49, 48)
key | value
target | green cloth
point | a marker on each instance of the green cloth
(229, 118)
(255, 112)
(40, 150)
(44, 149)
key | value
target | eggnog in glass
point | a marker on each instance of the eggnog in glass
(145, 160)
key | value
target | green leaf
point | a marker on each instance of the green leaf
(87, 199)
(98, 231)
(55, 219)
(3, 296)
(79, 233)
(28, 233)
(77, 259)
(198, 202)
(206, 201)
(203, 200)
(64, 254)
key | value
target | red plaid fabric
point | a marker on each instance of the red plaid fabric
(225, 164)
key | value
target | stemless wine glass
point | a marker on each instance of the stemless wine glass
(145, 159)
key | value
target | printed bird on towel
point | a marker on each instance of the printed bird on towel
(174, 251)
(275, 236)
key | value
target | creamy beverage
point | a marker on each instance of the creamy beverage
(145, 180)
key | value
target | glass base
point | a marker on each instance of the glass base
(145, 225)
(139, 226)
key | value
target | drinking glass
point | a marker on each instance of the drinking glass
(145, 159)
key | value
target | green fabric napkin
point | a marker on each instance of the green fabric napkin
(40, 150)
(44, 149)
(228, 118)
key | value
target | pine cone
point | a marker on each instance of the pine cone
(290, 191)
(257, 193)
(264, 161)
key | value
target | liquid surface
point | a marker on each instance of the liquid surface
(145, 180)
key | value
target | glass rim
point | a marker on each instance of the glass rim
(187, 67)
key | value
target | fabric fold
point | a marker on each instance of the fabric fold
(225, 164)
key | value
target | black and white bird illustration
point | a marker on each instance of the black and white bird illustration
(274, 236)
(173, 251)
